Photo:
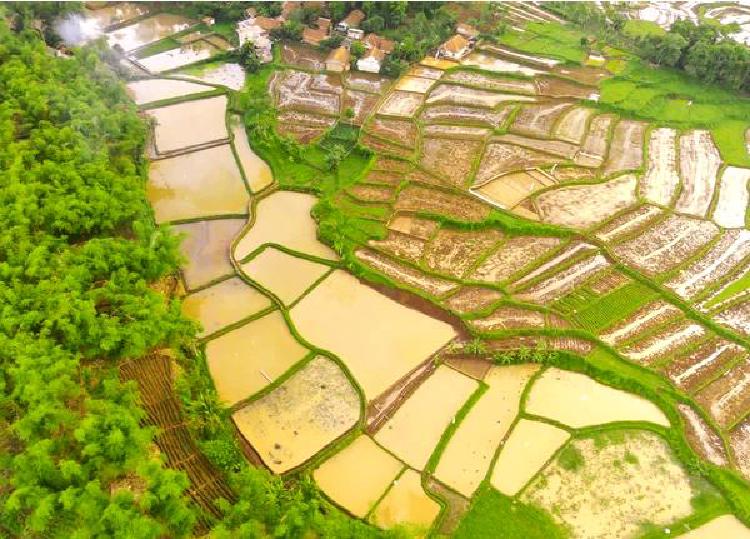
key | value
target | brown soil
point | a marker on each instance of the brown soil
(572, 125)
(461, 95)
(401, 104)
(300, 133)
(627, 223)
(384, 177)
(402, 132)
(456, 506)
(295, 92)
(422, 176)
(401, 246)
(626, 151)
(465, 115)
(555, 87)
(372, 193)
(473, 298)
(433, 201)
(648, 316)
(561, 283)
(699, 162)
(701, 437)
(609, 282)
(739, 442)
(571, 344)
(407, 275)
(456, 132)
(367, 82)
(595, 144)
(454, 252)
(391, 165)
(559, 148)
(538, 120)
(665, 342)
(413, 226)
(508, 317)
(728, 398)
(450, 159)
(692, 370)
(305, 118)
(736, 318)
(571, 173)
(361, 103)
(302, 56)
(382, 408)
(501, 158)
(382, 146)
(488, 82)
(515, 254)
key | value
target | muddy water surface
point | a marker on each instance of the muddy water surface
(257, 172)
(147, 31)
(188, 53)
(406, 503)
(150, 90)
(188, 124)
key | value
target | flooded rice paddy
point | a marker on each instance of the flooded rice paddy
(147, 31)
(206, 248)
(257, 172)
(189, 124)
(189, 53)
(150, 90)
(407, 503)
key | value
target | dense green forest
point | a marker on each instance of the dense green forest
(78, 254)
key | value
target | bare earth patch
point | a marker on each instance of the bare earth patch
(509, 317)
(701, 437)
(666, 341)
(473, 298)
(500, 158)
(594, 147)
(728, 398)
(512, 256)
(627, 223)
(559, 284)
(731, 206)
(538, 120)
(650, 315)
(461, 95)
(661, 180)
(699, 163)
(690, 371)
(455, 251)
(492, 83)
(434, 286)
(572, 125)
(451, 159)
(397, 131)
(433, 201)
(401, 246)
(403, 104)
(465, 115)
(626, 149)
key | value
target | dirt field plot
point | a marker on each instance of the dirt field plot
(690, 371)
(572, 125)
(723, 526)
(557, 87)
(300, 417)
(660, 182)
(701, 437)
(572, 250)
(418, 85)
(617, 488)
(509, 190)
(627, 223)
(464, 115)
(295, 92)
(189, 124)
(223, 304)
(433, 201)
(434, 286)
(594, 147)
(189, 53)
(372, 193)
(559, 148)
(468, 455)
(488, 82)
(301, 133)
(508, 317)
(384, 147)
(578, 401)
(456, 132)
(739, 442)
(473, 298)
(198, 184)
(391, 165)
(490, 62)
(425, 72)
(147, 31)
(666, 244)
(728, 398)
(509, 53)
(500, 158)
(530, 445)
(679, 334)
(455, 251)
(366, 82)
(626, 150)
(302, 56)
(460, 95)
(339, 315)
(699, 163)
(322, 82)
(305, 119)
(538, 120)
(716, 264)
(415, 429)
(283, 217)
(403, 104)
(361, 104)
(247, 359)
(206, 248)
(648, 316)
(149, 90)
(397, 131)
(413, 226)
(284, 275)
(563, 206)
(513, 256)
(561, 283)
(736, 317)
(407, 504)
(733, 198)
(401, 246)
(357, 476)
(450, 159)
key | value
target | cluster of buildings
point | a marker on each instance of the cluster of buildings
(257, 28)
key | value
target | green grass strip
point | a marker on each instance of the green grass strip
(615, 306)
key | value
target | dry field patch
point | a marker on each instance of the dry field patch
(247, 359)
(562, 206)
(150, 90)
(701, 437)
(736, 317)
(578, 401)
(665, 342)
(389, 164)
(361, 104)
(699, 163)
(397, 131)
(461, 95)
(490, 62)
(223, 304)
(690, 371)
(616, 489)
(510, 190)
(303, 56)
(739, 442)
(284, 275)
(728, 398)
(648, 316)
(455, 132)
(572, 125)
(465, 115)
(488, 82)
(454, 252)
(414, 226)
(301, 133)
(500, 158)
(283, 217)
(416, 427)
(468, 454)
(437, 63)
(401, 246)
(473, 298)
(294, 91)
(433, 201)
(509, 317)
(411, 83)
(530, 445)
(384, 147)
(206, 249)
(626, 149)
(512, 256)
(560, 284)
(594, 147)
(199, 184)
(406, 504)
(434, 286)
(666, 244)
(538, 120)
(372, 193)
(358, 475)
(608, 282)
(450, 159)
(403, 104)
(188, 124)
(306, 119)
(535, 60)
(557, 87)
(426, 72)
(307, 412)
(559, 148)
(628, 222)
(366, 82)
(731, 206)
(378, 339)
(570, 251)
(661, 180)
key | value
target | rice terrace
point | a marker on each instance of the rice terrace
(375, 269)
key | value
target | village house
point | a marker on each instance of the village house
(256, 30)
(455, 48)
(355, 34)
(208, 21)
(353, 20)
(338, 60)
(374, 41)
(371, 61)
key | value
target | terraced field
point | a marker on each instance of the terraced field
(551, 310)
